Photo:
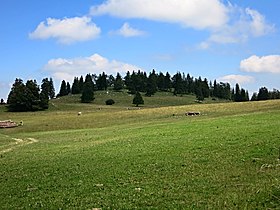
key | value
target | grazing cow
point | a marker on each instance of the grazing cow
(192, 113)
(79, 113)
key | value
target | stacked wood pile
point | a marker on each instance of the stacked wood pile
(7, 124)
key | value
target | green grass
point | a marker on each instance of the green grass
(115, 158)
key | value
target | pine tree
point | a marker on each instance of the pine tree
(68, 88)
(88, 90)
(63, 89)
(263, 94)
(45, 93)
(151, 84)
(167, 81)
(118, 83)
(32, 95)
(138, 99)
(51, 89)
(81, 84)
(101, 82)
(237, 96)
(75, 86)
(178, 84)
(87, 94)
(24, 97)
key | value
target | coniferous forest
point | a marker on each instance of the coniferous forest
(31, 97)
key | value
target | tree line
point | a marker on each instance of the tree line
(139, 81)
(31, 97)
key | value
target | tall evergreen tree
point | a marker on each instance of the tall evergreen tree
(254, 97)
(26, 97)
(178, 84)
(138, 99)
(263, 94)
(32, 91)
(63, 89)
(45, 93)
(167, 81)
(101, 82)
(75, 86)
(118, 83)
(68, 87)
(81, 84)
(161, 82)
(51, 89)
(237, 96)
(88, 90)
(16, 98)
(151, 84)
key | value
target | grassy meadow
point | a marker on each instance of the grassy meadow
(155, 157)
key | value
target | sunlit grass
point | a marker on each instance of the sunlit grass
(115, 158)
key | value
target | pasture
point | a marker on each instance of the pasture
(112, 157)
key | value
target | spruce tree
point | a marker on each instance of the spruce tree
(88, 90)
(263, 94)
(51, 89)
(75, 86)
(87, 94)
(118, 83)
(63, 89)
(68, 87)
(138, 99)
(45, 94)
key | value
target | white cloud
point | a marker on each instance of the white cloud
(235, 78)
(243, 24)
(188, 13)
(270, 64)
(67, 30)
(67, 69)
(127, 31)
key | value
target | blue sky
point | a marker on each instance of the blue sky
(231, 41)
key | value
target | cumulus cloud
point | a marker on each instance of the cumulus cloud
(235, 78)
(67, 69)
(127, 31)
(67, 30)
(243, 24)
(188, 13)
(270, 64)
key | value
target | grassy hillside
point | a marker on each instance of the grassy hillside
(112, 157)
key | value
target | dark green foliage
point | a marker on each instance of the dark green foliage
(102, 82)
(27, 97)
(221, 90)
(136, 82)
(109, 102)
(45, 93)
(275, 94)
(151, 88)
(63, 89)
(81, 84)
(51, 89)
(111, 80)
(254, 97)
(88, 90)
(68, 87)
(178, 84)
(137, 100)
(118, 83)
(76, 86)
(263, 94)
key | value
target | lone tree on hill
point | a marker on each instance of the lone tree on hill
(138, 99)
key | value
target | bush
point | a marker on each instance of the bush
(110, 102)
